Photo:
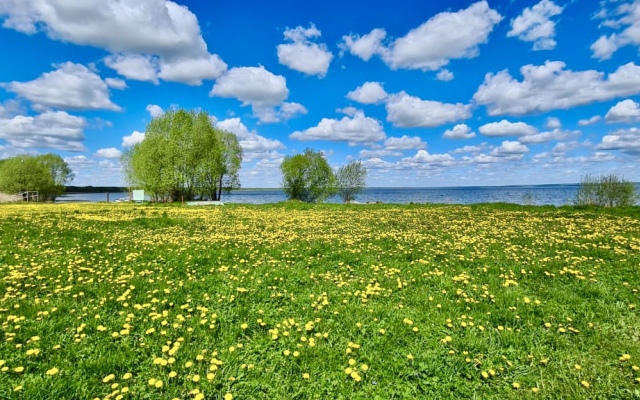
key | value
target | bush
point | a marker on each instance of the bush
(606, 191)
(352, 179)
(307, 177)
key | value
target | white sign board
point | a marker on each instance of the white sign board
(138, 195)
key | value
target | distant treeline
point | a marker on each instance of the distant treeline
(94, 189)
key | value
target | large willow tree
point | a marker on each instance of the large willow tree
(183, 156)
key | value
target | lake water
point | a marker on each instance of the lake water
(556, 195)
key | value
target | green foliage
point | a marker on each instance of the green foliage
(352, 179)
(183, 157)
(308, 177)
(605, 191)
(46, 174)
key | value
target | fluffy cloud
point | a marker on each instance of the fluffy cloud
(550, 86)
(535, 25)
(253, 145)
(358, 129)
(50, 130)
(423, 157)
(134, 66)
(625, 111)
(253, 86)
(116, 83)
(110, 152)
(154, 110)
(133, 139)
(152, 27)
(444, 75)
(507, 128)
(625, 17)
(408, 111)
(589, 121)
(460, 131)
(191, 71)
(365, 46)
(235, 126)
(445, 36)
(542, 137)
(552, 123)
(626, 140)
(368, 93)
(303, 55)
(509, 148)
(70, 87)
(404, 143)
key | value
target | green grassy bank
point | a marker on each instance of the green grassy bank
(325, 302)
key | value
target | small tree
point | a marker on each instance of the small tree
(605, 191)
(46, 174)
(307, 177)
(352, 179)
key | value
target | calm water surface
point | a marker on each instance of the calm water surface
(556, 195)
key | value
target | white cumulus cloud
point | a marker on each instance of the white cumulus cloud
(70, 87)
(368, 93)
(110, 152)
(358, 129)
(625, 19)
(133, 139)
(626, 140)
(253, 86)
(444, 75)
(510, 148)
(302, 54)
(137, 67)
(460, 131)
(49, 130)
(548, 136)
(535, 25)
(507, 128)
(129, 28)
(589, 121)
(253, 145)
(624, 111)
(154, 110)
(550, 86)
(409, 111)
(445, 36)
(404, 143)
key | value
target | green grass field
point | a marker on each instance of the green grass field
(318, 302)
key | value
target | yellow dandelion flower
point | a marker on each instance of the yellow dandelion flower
(515, 385)
(352, 361)
(211, 376)
(52, 371)
(577, 366)
(158, 384)
(108, 378)
(364, 367)
(17, 388)
(188, 364)
(585, 384)
(196, 378)
(244, 326)
(296, 353)
(173, 374)
(152, 381)
(535, 390)
(286, 353)
(127, 376)
(306, 375)
(18, 369)
(228, 396)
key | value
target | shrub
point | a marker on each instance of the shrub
(605, 191)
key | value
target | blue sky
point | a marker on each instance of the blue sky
(425, 93)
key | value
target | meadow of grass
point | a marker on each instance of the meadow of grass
(318, 302)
